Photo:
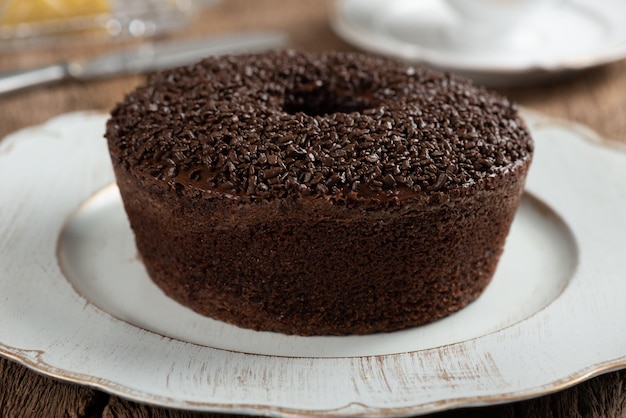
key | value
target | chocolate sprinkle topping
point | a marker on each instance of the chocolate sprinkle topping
(333, 124)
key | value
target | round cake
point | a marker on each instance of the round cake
(318, 193)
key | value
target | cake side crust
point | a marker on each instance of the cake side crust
(275, 266)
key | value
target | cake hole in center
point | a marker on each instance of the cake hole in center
(321, 102)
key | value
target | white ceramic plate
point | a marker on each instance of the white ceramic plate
(75, 303)
(562, 37)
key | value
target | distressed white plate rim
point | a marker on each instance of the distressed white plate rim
(47, 171)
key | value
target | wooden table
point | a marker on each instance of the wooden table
(596, 98)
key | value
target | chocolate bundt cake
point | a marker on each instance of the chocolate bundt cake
(318, 193)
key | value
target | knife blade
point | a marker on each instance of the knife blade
(144, 58)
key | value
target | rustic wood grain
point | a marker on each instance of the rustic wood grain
(595, 98)
(24, 393)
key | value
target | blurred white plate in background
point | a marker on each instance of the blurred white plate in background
(563, 36)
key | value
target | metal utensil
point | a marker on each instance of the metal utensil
(144, 58)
